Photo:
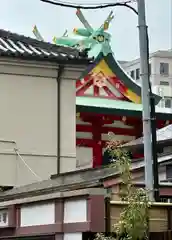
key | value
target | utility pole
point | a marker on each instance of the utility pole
(171, 25)
(146, 116)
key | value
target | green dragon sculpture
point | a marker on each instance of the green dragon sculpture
(93, 40)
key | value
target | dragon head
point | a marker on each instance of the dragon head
(89, 37)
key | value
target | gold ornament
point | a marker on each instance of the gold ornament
(167, 122)
(124, 118)
(78, 115)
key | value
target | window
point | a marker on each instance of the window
(169, 171)
(166, 200)
(132, 74)
(168, 103)
(3, 218)
(164, 69)
(163, 83)
(137, 74)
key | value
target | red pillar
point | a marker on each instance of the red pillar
(97, 147)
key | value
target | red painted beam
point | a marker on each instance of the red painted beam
(103, 129)
(91, 116)
(78, 83)
(91, 119)
(96, 91)
(81, 142)
(117, 84)
(81, 82)
(82, 90)
(97, 148)
(110, 93)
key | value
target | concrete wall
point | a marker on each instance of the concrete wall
(28, 105)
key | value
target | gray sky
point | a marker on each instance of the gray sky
(20, 15)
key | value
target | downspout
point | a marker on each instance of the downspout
(60, 71)
(107, 216)
(107, 212)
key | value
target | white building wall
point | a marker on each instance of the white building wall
(161, 83)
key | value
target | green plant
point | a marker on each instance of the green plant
(133, 222)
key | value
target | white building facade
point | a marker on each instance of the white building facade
(160, 64)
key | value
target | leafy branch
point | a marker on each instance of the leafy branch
(133, 222)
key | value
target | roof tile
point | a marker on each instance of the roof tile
(15, 45)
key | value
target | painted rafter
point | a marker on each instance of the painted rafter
(128, 120)
(107, 129)
(98, 81)
(109, 119)
(84, 88)
(96, 91)
(82, 81)
(90, 143)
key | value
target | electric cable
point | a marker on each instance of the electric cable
(28, 167)
(100, 6)
(91, 3)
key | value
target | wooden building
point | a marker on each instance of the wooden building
(108, 101)
(72, 206)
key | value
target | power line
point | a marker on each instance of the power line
(100, 6)
(90, 3)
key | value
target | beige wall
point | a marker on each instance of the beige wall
(28, 107)
(68, 125)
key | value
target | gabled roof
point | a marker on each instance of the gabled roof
(18, 46)
(122, 108)
(120, 85)
(104, 78)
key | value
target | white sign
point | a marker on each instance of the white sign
(3, 218)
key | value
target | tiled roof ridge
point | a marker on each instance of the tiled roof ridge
(86, 179)
(20, 46)
(29, 40)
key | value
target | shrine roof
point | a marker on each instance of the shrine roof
(163, 134)
(18, 46)
(111, 106)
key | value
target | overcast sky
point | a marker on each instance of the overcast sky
(20, 15)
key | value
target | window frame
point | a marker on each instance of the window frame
(162, 68)
(167, 100)
(137, 73)
(161, 83)
(132, 72)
